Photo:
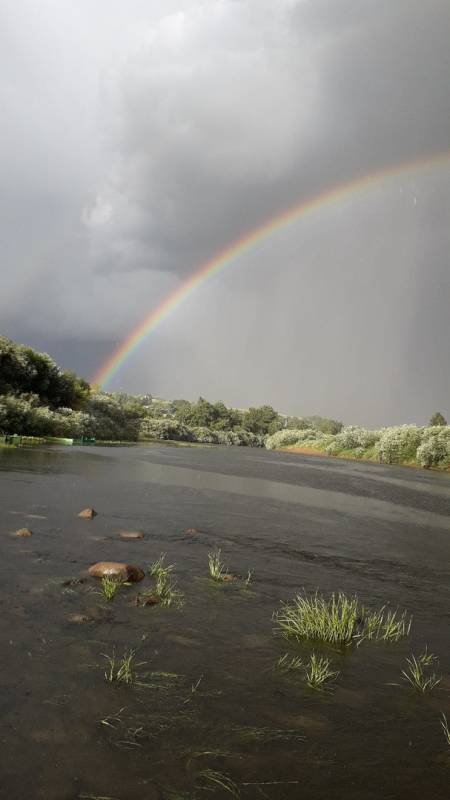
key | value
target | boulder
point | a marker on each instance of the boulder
(24, 532)
(131, 535)
(112, 569)
(87, 513)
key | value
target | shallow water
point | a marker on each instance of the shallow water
(296, 522)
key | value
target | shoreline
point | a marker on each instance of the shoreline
(310, 451)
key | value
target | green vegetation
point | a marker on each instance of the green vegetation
(404, 444)
(437, 419)
(165, 590)
(121, 670)
(318, 671)
(38, 399)
(315, 618)
(446, 729)
(110, 586)
(287, 663)
(217, 569)
(339, 620)
(416, 674)
(385, 625)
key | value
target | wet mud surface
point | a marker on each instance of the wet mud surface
(212, 699)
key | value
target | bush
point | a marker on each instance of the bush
(288, 437)
(204, 435)
(399, 444)
(435, 447)
(352, 437)
(164, 429)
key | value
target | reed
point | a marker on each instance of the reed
(416, 676)
(318, 671)
(217, 570)
(445, 728)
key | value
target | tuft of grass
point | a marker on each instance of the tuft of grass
(288, 664)
(211, 780)
(121, 670)
(318, 672)
(445, 728)
(428, 659)
(334, 620)
(217, 569)
(339, 620)
(110, 586)
(165, 586)
(416, 676)
(385, 625)
(159, 568)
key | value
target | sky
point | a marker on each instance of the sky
(139, 139)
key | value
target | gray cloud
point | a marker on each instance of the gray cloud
(141, 141)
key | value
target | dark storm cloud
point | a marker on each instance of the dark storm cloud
(139, 141)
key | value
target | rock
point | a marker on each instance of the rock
(79, 619)
(149, 599)
(87, 513)
(116, 569)
(24, 532)
(131, 535)
(192, 531)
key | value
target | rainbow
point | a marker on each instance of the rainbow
(245, 243)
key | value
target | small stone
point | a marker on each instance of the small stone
(24, 532)
(131, 535)
(79, 619)
(87, 513)
(117, 569)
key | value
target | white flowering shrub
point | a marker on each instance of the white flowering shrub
(399, 443)
(164, 429)
(352, 437)
(435, 447)
(288, 437)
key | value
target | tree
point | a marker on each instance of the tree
(263, 419)
(437, 419)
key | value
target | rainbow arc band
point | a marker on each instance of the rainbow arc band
(227, 256)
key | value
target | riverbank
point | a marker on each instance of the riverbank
(349, 455)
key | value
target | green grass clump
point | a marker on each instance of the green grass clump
(388, 626)
(334, 620)
(416, 675)
(121, 670)
(318, 672)
(165, 586)
(110, 586)
(217, 569)
(289, 664)
(339, 620)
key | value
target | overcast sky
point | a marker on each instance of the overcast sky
(139, 138)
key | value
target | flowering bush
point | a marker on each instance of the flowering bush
(288, 437)
(399, 443)
(352, 437)
(165, 429)
(435, 447)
